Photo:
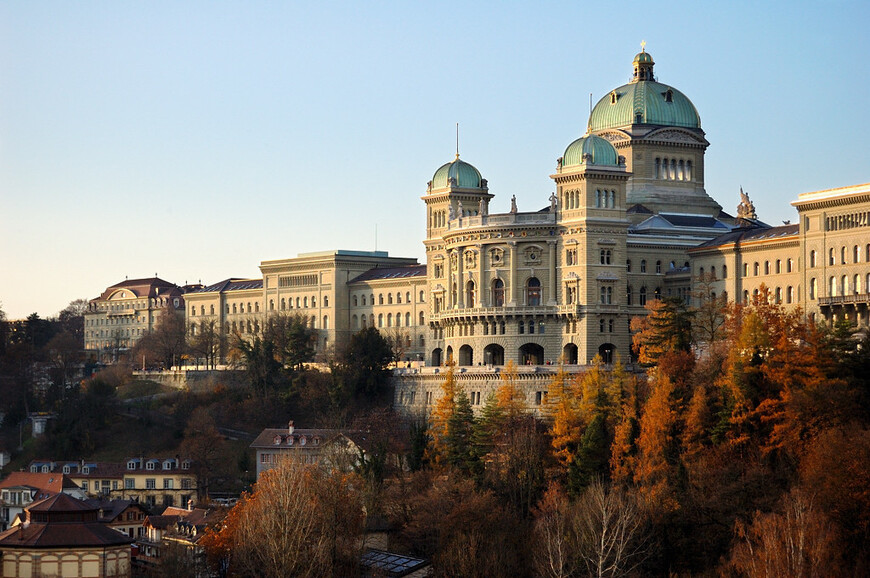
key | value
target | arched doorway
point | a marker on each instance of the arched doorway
(466, 355)
(437, 357)
(569, 354)
(493, 354)
(449, 354)
(606, 351)
(531, 354)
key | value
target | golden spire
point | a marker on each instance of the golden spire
(643, 45)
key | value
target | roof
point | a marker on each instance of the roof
(50, 482)
(268, 437)
(382, 273)
(644, 101)
(62, 521)
(600, 152)
(196, 516)
(111, 509)
(161, 522)
(231, 284)
(458, 174)
(148, 287)
(751, 234)
(676, 220)
(76, 468)
(390, 564)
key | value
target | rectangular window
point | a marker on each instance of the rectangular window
(129, 484)
(186, 484)
(150, 483)
(167, 483)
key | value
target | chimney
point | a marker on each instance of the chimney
(290, 428)
(190, 504)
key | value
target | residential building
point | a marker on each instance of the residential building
(328, 447)
(20, 489)
(125, 516)
(159, 482)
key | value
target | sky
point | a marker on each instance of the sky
(196, 139)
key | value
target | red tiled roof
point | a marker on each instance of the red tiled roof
(51, 482)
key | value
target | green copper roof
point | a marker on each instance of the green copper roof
(601, 150)
(467, 177)
(644, 102)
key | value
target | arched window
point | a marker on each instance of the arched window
(832, 287)
(643, 266)
(257, 307)
(380, 319)
(856, 285)
(842, 256)
(789, 294)
(407, 296)
(767, 267)
(398, 319)
(813, 288)
(844, 285)
(755, 269)
(813, 257)
(605, 256)
(355, 301)
(831, 259)
(724, 271)
(363, 320)
(469, 294)
(421, 296)
(422, 319)
(778, 266)
(628, 265)
(628, 295)
(746, 269)
(533, 292)
(658, 266)
(606, 295)
(407, 319)
(642, 298)
(380, 299)
(390, 298)
(389, 319)
(498, 293)
(856, 254)
(777, 295)
(713, 272)
(305, 301)
(314, 301)
(363, 300)
(789, 265)
(354, 322)
(398, 297)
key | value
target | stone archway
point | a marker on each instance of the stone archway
(437, 357)
(466, 355)
(606, 351)
(569, 354)
(493, 354)
(531, 354)
(449, 354)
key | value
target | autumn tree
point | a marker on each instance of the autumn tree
(667, 327)
(168, 341)
(258, 358)
(563, 411)
(292, 339)
(439, 426)
(207, 341)
(708, 316)
(300, 521)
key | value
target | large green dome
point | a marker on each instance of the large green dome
(600, 150)
(644, 101)
(465, 175)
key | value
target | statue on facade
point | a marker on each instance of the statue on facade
(513, 204)
(746, 209)
(459, 212)
(452, 214)
(552, 202)
(482, 209)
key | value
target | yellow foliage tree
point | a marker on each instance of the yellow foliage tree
(439, 428)
(509, 398)
(564, 412)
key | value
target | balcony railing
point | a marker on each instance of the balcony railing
(845, 299)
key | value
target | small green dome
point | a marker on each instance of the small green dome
(643, 58)
(644, 101)
(465, 175)
(601, 150)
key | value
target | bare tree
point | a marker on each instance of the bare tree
(553, 545)
(206, 340)
(611, 530)
(708, 321)
(301, 521)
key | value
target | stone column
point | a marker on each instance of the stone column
(552, 299)
(460, 283)
(481, 282)
(513, 273)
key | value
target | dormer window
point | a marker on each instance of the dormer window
(167, 465)
(66, 469)
(669, 95)
(302, 440)
(613, 97)
(34, 469)
(185, 465)
(276, 440)
(86, 470)
(316, 440)
(149, 466)
(44, 469)
(131, 465)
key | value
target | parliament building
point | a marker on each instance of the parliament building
(629, 221)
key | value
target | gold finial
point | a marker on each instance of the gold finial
(643, 45)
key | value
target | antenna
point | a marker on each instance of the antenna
(590, 103)
(457, 141)
(376, 237)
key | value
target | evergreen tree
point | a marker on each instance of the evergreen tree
(460, 427)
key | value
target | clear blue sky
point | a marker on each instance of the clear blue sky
(196, 139)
